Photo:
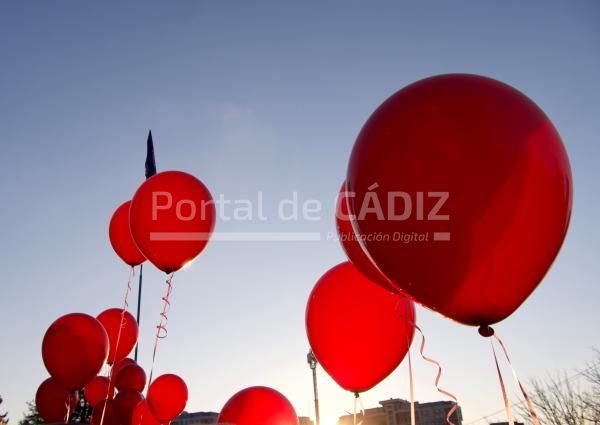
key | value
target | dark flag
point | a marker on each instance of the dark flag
(150, 161)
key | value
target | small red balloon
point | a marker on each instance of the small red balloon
(119, 365)
(104, 413)
(53, 401)
(258, 406)
(142, 415)
(172, 216)
(167, 397)
(462, 195)
(358, 331)
(131, 377)
(126, 336)
(121, 239)
(98, 389)
(74, 349)
(124, 404)
(352, 245)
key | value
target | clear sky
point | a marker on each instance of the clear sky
(263, 96)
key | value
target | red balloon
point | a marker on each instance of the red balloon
(98, 389)
(258, 406)
(172, 216)
(474, 186)
(111, 320)
(142, 415)
(352, 245)
(131, 377)
(74, 349)
(358, 331)
(124, 404)
(167, 397)
(117, 367)
(121, 239)
(54, 402)
(104, 413)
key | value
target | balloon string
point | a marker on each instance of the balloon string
(358, 400)
(412, 391)
(122, 323)
(504, 395)
(161, 328)
(438, 376)
(68, 406)
(435, 363)
(532, 413)
(121, 327)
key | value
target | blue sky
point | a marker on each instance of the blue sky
(263, 96)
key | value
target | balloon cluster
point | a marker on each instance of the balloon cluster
(458, 196)
(169, 222)
(75, 349)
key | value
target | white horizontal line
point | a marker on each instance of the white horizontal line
(441, 236)
(235, 236)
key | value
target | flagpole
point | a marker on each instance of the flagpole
(150, 171)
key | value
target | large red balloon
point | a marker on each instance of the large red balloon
(124, 404)
(167, 397)
(358, 331)
(120, 345)
(74, 349)
(142, 415)
(475, 191)
(258, 406)
(172, 216)
(352, 245)
(53, 401)
(131, 377)
(98, 389)
(121, 239)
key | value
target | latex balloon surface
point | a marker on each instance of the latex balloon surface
(74, 349)
(142, 415)
(121, 239)
(122, 339)
(98, 389)
(172, 216)
(124, 404)
(462, 195)
(54, 402)
(352, 246)
(258, 406)
(131, 377)
(104, 414)
(358, 331)
(167, 397)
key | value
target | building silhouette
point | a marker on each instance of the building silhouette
(506, 423)
(196, 418)
(396, 411)
(305, 420)
(210, 418)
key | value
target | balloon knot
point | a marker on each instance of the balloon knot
(486, 331)
(356, 395)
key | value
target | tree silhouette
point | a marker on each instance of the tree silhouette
(561, 401)
(32, 417)
(3, 416)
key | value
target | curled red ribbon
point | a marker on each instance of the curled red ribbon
(161, 328)
(530, 407)
(121, 326)
(437, 378)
